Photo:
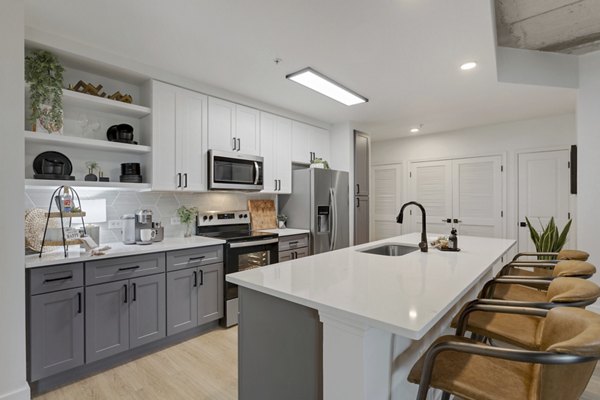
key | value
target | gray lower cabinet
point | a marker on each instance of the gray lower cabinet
(194, 297)
(55, 332)
(124, 314)
(293, 247)
(106, 320)
(147, 310)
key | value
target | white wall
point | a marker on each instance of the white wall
(502, 139)
(12, 284)
(588, 168)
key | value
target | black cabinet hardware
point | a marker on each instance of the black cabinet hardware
(179, 179)
(185, 180)
(523, 224)
(79, 310)
(65, 278)
(126, 295)
(134, 292)
(195, 279)
(129, 268)
(234, 144)
(239, 141)
(357, 188)
(201, 277)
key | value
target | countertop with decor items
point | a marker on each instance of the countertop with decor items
(118, 249)
(286, 231)
(405, 295)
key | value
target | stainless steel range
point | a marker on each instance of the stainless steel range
(244, 249)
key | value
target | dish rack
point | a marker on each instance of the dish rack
(65, 242)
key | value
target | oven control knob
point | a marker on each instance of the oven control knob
(205, 218)
(241, 216)
(245, 215)
(210, 218)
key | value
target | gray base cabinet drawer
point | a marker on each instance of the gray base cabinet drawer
(182, 259)
(115, 269)
(293, 242)
(55, 333)
(293, 254)
(56, 277)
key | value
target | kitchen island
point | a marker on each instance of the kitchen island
(349, 324)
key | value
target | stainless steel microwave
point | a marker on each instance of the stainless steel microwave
(234, 171)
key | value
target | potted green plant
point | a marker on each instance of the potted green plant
(281, 220)
(92, 166)
(548, 240)
(44, 74)
(187, 216)
(319, 163)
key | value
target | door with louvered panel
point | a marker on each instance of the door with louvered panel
(387, 187)
(431, 185)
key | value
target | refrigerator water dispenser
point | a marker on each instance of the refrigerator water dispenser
(323, 219)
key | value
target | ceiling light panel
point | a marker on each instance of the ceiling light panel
(468, 65)
(326, 86)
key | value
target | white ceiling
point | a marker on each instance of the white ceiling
(401, 54)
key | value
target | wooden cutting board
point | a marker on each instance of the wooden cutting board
(262, 214)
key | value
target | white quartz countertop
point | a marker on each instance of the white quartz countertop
(287, 231)
(405, 295)
(119, 249)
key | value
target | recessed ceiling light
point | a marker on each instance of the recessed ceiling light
(326, 86)
(415, 130)
(468, 65)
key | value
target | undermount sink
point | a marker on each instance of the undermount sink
(390, 249)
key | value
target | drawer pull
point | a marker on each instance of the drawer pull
(194, 259)
(65, 278)
(129, 268)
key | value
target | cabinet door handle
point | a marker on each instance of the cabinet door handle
(195, 279)
(129, 268)
(126, 295)
(357, 188)
(457, 221)
(65, 278)
(239, 144)
(358, 202)
(185, 180)
(201, 277)
(280, 185)
(134, 292)
(234, 144)
(179, 180)
(79, 310)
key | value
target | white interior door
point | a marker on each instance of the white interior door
(431, 185)
(387, 200)
(543, 192)
(477, 196)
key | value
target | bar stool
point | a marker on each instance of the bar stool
(566, 254)
(524, 330)
(575, 268)
(569, 348)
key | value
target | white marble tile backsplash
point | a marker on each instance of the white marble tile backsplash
(163, 204)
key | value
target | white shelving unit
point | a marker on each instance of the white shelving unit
(84, 143)
(100, 104)
(52, 184)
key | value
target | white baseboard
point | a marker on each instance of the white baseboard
(20, 394)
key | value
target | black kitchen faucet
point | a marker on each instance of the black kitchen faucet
(423, 243)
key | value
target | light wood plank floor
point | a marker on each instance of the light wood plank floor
(203, 368)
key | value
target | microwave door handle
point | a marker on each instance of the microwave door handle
(257, 171)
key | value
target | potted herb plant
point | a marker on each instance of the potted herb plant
(549, 239)
(187, 216)
(319, 163)
(281, 220)
(44, 74)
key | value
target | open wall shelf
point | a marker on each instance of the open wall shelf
(52, 184)
(84, 143)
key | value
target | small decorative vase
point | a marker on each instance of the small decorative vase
(91, 177)
(281, 224)
(188, 230)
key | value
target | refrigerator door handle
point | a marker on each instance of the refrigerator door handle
(333, 226)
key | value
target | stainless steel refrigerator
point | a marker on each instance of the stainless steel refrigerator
(319, 202)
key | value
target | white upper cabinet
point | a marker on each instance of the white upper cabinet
(233, 127)
(308, 143)
(276, 149)
(179, 126)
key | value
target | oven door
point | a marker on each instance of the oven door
(233, 171)
(241, 256)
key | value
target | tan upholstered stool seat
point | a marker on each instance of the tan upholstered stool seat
(573, 255)
(519, 293)
(477, 377)
(565, 268)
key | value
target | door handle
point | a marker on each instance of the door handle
(358, 202)
(357, 188)
(201, 277)
(457, 221)
(126, 295)
(234, 145)
(279, 188)
(134, 292)
(79, 310)
(239, 144)
(446, 220)
(185, 180)
(179, 179)
(523, 224)
(195, 279)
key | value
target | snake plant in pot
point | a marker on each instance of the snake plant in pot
(549, 239)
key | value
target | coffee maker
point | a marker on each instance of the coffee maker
(143, 220)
